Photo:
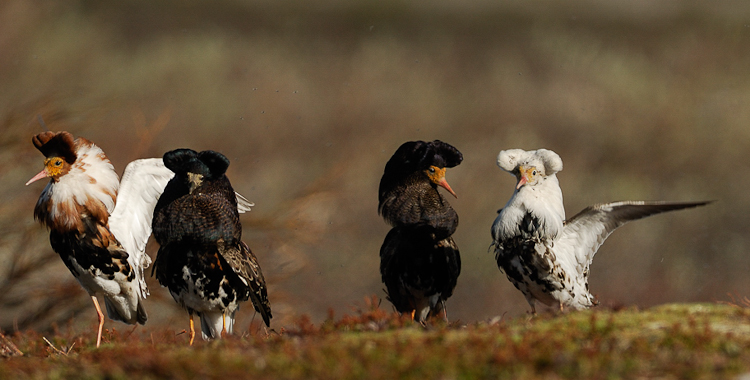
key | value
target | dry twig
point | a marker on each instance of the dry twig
(7, 348)
(61, 352)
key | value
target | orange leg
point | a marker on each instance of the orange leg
(101, 321)
(413, 312)
(223, 325)
(192, 329)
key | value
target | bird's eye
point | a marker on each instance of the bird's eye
(58, 162)
(432, 169)
(533, 172)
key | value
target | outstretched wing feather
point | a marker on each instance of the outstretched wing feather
(585, 232)
(142, 184)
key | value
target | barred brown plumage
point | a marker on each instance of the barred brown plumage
(202, 260)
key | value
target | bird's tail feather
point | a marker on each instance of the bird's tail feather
(142, 317)
(213, 322)
(119, 308)
(261, 305)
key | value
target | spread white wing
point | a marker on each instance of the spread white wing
(142, 184)
(584, 233)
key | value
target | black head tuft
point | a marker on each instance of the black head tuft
(420, 155)
(208, 163)
(216, 162)
(182, 161)
(444, 155)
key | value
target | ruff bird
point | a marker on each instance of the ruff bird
(100, 233)
(544, 255)
(419, 261)
(202, 259)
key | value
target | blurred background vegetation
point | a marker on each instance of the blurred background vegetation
(642, 100)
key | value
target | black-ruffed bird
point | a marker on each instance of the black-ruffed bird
(202, 259)
(419, 261)
(99, 232)
(544, 255)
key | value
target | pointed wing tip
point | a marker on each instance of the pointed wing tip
(686, 205)
(665, 205)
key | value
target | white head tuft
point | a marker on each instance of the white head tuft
(510, 159)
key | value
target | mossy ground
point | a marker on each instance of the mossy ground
(669, 341)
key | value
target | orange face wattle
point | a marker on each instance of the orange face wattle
(53, 168)
(437, 176)
(526, 174)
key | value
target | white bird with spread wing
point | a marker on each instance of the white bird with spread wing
(545, 256)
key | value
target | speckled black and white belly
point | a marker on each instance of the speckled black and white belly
(200, 280)
(531, 265)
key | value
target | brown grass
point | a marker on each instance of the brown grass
(669, 341)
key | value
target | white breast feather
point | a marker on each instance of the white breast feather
(544, 201)
(90, 176)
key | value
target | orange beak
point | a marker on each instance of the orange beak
(444, 184)
(42, 174)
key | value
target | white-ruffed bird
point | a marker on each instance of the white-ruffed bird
(544, 255)
(100, 233)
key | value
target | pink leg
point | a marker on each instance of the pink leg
(101, 321)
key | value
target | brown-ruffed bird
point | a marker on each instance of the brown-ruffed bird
(202, 259)
(100, 233)
(544, 255)
(419, 261)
